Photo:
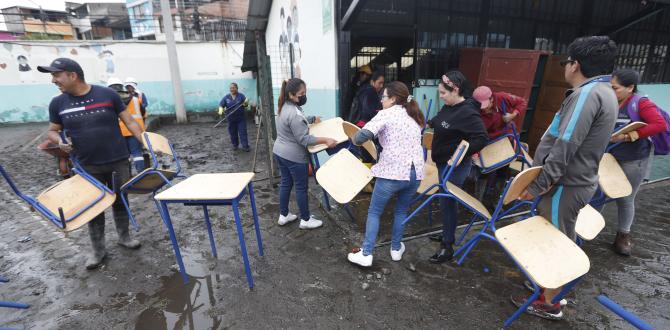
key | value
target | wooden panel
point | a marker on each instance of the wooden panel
(343, 176)
(331, 128)
(589, 223)
(629, 128)
(613, 181)
(150, 182)
(552, 94)
(211, 186)
(350, 130)
(468, 199)
(427, 140)
(73, 195)
(549, 257)
(430, 177)
(159, 143)
(496, 153)
(520, 182)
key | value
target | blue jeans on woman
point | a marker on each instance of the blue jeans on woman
(384, 190)
(448, 205)
(293, 173)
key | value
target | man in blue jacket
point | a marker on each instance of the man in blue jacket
(233, 105)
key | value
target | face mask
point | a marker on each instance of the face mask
(302, 100)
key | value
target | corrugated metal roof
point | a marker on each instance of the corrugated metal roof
(257, 21)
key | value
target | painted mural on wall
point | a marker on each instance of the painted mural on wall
(207, 69)
(290, 53)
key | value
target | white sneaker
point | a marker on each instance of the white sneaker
(397, 255)
(360, 259)
(286, 219)
(311, 223)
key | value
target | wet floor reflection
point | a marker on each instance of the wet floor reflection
(179, 306)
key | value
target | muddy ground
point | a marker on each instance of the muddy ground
(304, 280)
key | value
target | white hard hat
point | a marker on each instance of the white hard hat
(131, 81)
(114, 81)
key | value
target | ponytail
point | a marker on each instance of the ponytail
(292, 86)
(412, 108)
(282, 98)
(401, 93)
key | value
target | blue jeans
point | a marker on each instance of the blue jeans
(238, 127)
(383, 192)
(293, 173)
(448, 205)
(135, 149)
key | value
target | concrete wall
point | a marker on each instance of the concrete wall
(312, 34)
(207, 69)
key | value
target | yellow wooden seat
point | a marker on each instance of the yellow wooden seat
(148, 181)
(468, 199)
(634, 126)
(427, 140)
(343, 176)
(612, 179)
(331, 128)
(496, 154)
(589, 223)
(430, 177)
(350, 130)
(550, 258)
(73, 195)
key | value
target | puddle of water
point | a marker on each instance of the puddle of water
(183, 306)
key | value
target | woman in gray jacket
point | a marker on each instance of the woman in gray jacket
(290, 150)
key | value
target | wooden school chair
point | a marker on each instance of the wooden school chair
(71, 203)
(154, 178)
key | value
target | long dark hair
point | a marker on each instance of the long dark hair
(627, 78)
(457, 78)
(400, 91)
(292, 86)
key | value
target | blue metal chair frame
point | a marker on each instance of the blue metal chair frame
(10, 304)
(626, 315)
(518, 154)
(165, 215)
(59, 220)
(444, 178)
(489, 225)
(152, 171)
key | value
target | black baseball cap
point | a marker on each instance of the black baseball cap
(62, 64)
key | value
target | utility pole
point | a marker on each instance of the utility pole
(173, 61)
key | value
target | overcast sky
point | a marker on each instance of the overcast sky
(49, 4)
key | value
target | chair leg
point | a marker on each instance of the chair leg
(10, 304)
(243, 246)
(427, 201)
(465, 231)
(566, 288)
(523, 307)
(252, 198)
(175, 246)
(130, 213)
(209, 231)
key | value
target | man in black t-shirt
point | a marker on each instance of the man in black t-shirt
(90, 115)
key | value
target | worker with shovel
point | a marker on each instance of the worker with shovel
(233, 105)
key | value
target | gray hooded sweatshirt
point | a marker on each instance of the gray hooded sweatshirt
(293, 136)
(571, 148)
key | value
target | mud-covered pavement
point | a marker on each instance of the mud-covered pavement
(304, 280)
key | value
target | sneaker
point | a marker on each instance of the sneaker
(357, 257)
(539, 308)
(311, 223)
(529, 286)
(397, 255)
(286, 219)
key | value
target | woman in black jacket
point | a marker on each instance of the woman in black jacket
(458, 120)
